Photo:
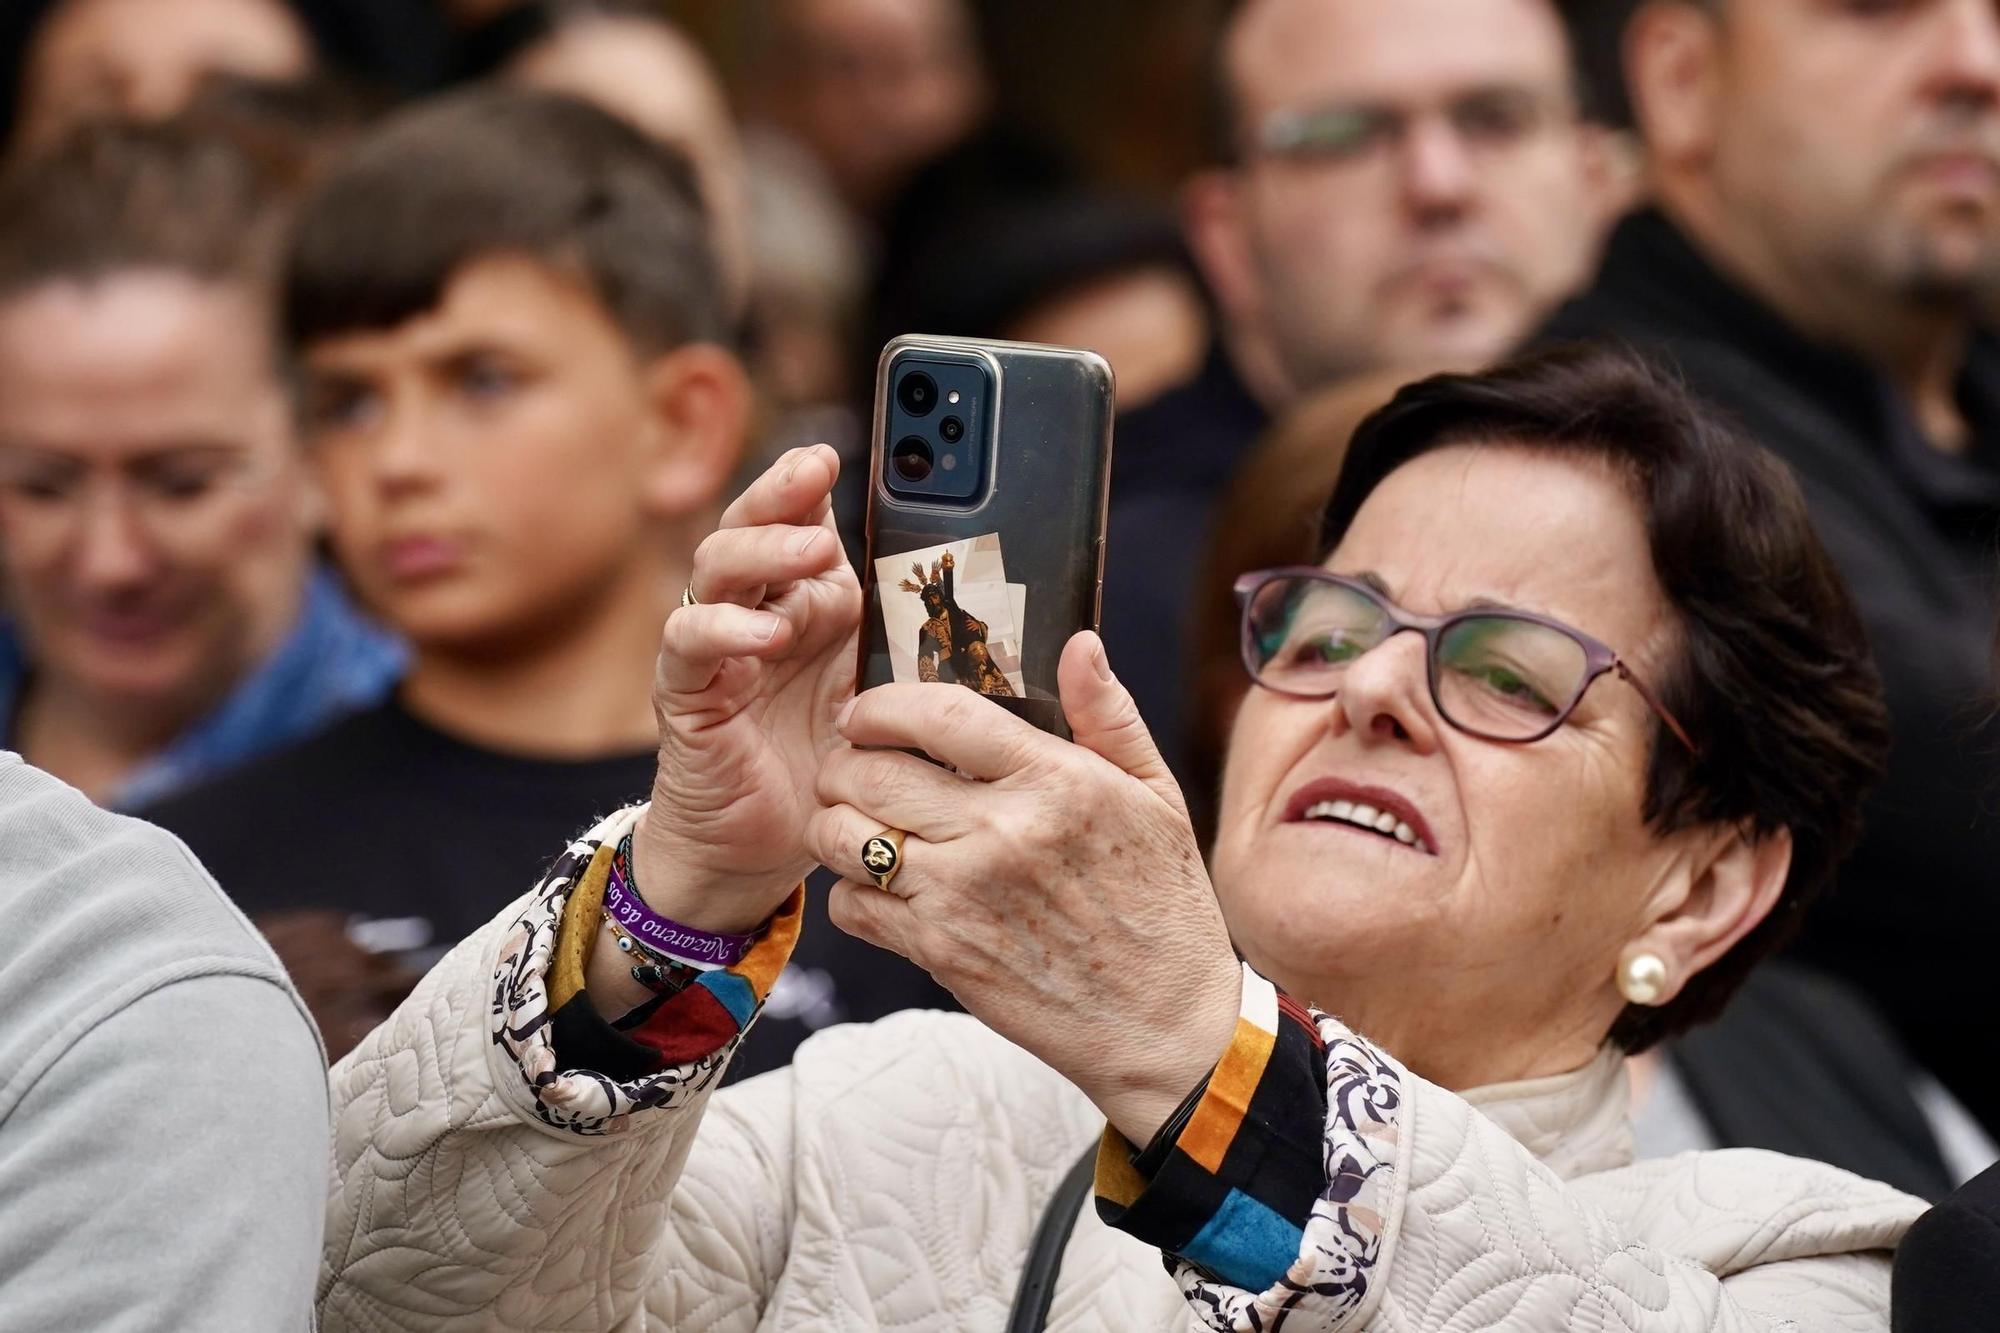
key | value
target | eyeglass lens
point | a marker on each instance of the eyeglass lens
(1496, 675)
(1492, 119)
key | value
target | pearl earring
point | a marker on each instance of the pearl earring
(1642, 979)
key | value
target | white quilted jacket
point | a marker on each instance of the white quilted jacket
(892, 1179)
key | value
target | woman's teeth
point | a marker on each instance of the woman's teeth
(1368, 817)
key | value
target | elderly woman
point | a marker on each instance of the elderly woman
(1558, 740)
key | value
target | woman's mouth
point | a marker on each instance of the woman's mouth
(1374, 810)
(129, 626)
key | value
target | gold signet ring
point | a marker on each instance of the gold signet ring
(883, 856)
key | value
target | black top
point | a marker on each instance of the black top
(1948, 1267)
(1171, 461)
(1917, 534)
(1800, 1064)
(419, 837)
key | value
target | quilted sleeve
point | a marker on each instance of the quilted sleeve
(480, 1182)
(1428, 1215)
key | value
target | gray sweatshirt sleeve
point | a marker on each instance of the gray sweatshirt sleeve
(168, 1170)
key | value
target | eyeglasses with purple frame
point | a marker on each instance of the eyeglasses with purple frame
(1599, 657)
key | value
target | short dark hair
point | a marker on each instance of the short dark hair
(176, 195)
(1772, 676)
(1597, 34)
(1221, 108)
(496, 171)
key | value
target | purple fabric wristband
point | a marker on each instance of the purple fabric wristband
(680, 944)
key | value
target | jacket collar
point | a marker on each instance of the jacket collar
(1652, 267)
(1575, 1123)
(1654, 280)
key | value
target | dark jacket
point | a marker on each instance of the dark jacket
(1170, 464)
(1800, 1064)
(1948, 1267)
(1917, 534)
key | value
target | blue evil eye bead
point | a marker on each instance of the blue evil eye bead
(625, 943)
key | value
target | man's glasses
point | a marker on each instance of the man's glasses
(1499, 675)
(1485, 119)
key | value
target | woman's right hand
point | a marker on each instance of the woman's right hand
(749, 682)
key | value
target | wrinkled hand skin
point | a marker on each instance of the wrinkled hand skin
(747, 688)
(1056, 888)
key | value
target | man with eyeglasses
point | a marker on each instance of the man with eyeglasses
(1826, 234)
(1403, 185)
(164, 617)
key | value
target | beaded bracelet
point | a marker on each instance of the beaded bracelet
(656, 972)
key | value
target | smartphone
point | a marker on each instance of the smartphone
(988, 476)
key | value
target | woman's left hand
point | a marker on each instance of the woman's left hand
(1056, 889)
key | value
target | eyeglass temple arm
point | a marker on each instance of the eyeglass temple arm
(1652, 702)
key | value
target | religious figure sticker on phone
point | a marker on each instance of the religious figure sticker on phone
(951, 617)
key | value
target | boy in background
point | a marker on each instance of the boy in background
(510, 340)
(509, 344)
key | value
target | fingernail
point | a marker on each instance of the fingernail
(846, 711)
(765, 627)
(1103, 664)
(802, 543)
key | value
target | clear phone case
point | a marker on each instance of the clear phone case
(982, 589)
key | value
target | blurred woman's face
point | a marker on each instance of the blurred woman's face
(876, 87)
(1487, 948)
(155, 513)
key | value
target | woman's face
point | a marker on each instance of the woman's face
(1491, 953)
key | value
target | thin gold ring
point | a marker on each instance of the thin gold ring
(882, 856)
(687, 595)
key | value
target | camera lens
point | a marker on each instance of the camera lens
(912, 459)
(951, 430)
(917, 393)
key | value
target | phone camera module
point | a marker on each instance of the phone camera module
(918, 393)
(912, 458)
(951, 430)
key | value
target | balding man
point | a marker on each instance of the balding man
(873, 88)
(1404, 184)
(92, 59)
(641, 67)
(1828, 178)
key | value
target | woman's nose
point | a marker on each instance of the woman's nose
(1385, 695)
(114, 550)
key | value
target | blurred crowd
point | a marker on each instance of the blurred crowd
(371, 369)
